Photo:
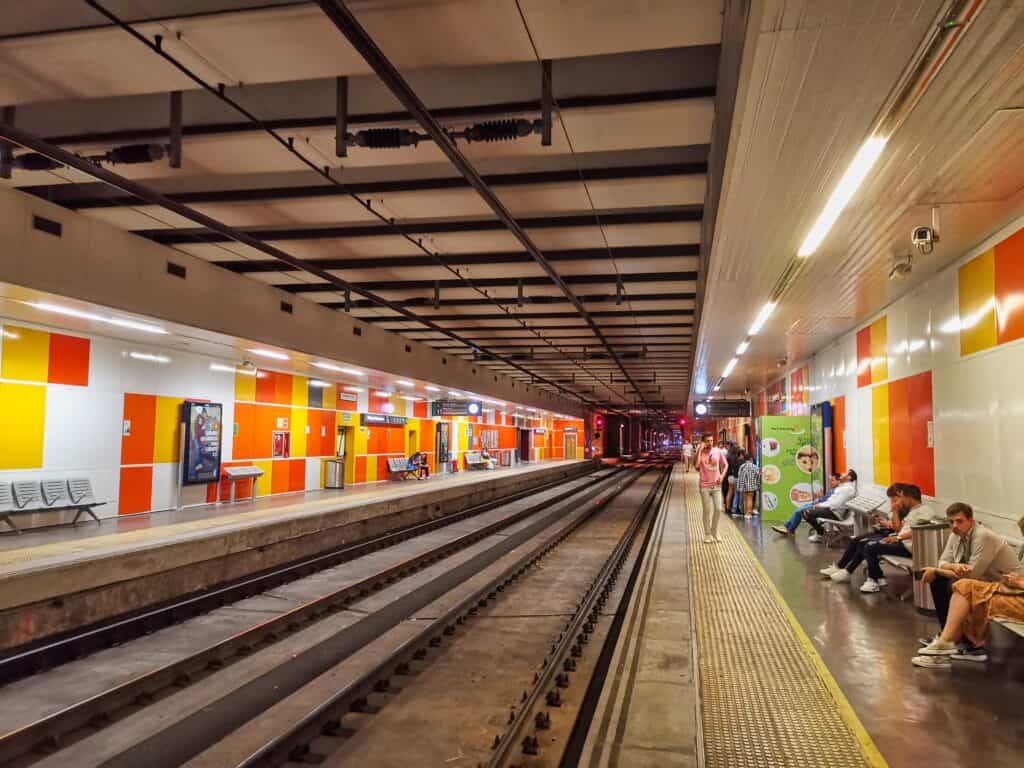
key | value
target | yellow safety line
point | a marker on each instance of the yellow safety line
(846, 711)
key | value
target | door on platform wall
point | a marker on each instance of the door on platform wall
(570, 445)
(524, 445)
(345, 450)
(412, 444)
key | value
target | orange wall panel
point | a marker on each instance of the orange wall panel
(900, 460)
(135, 493)
(1009, 288)
(864, 357)
(279, 477)
(266, 425)
(137, 446)
(283, 388)
(419, 409)
(346, 405)
(360, 469)
(428, 435)
(839, 434)
(69, 360)
(296, 475)
(921, 412)
(243, 444)
(265, 386)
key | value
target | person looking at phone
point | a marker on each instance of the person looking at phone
(712, 466)
(789, 527)
(882, 527)
(912, 512)
(971, 551)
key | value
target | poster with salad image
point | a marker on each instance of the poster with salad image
(790, 465)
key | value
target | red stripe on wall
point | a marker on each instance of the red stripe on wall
(1009, 288)
(839, 434)
(864, 357)
(69, 360)
(900, 459)
(921, 413)
(137, 445)
(135, 492)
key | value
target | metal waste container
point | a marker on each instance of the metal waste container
(334, 473)
(929, 541)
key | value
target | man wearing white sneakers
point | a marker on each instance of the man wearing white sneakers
(712, 465)
(912, 512)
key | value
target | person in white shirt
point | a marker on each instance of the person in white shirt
(687, 456)
(832, 507)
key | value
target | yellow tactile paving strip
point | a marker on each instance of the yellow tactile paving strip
(767, 699)
(140, 539)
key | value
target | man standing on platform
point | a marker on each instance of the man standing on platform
(687, 455)
(712, 465)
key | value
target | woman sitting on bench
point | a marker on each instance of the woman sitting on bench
(973, 605)
(487, 459)
(418, 463)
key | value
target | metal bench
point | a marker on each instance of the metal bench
(400, 469)
(28, 496)
(1017, 627)
(474, 460)
(856, 522)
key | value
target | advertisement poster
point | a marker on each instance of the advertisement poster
(791, 465)
(202, 442)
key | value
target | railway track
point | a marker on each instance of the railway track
(170, 713)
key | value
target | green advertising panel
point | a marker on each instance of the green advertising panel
(790, 465)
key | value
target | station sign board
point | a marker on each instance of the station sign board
(455, 408)
(378, 419)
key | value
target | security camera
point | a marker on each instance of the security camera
(924, 239)
(901, 266)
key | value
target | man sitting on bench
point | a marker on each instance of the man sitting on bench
(418, 463)
(826, 509)
(852, 558)
(912, 512)
(971, 551)
(487, 459)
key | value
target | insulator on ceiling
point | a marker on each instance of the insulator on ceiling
(33, 161)
(131, 154)
(499, 130)
(387, 138)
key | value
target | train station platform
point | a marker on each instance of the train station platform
(55, 579)
(713, 669)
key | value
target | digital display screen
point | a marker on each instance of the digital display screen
(201, 461)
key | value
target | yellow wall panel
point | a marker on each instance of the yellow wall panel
(300, 394)
(264, 484)
(26, 354)
(880, 434)
(400, 406)
(245, 388)
(360, 440)
(23, 415)
(879, 350)
(371, 469)
(298, 421)
(976, 287)
(330, 397)
(166, 436)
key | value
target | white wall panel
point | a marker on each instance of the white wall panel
(165, 488)
(313, 474)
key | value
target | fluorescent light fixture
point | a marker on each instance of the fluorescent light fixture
(338, 369)
(319, 384)
(270, 353)
(134, 325)
(432, 389)
(404, 383)
(352, 389)
(454, 394)
(742, 347)
(729, 367)
(717, 387)
(762, 318)
(383, 394)
(847, 187)
(148, 357)
(491, 402)
(410, 398)
(10, 335)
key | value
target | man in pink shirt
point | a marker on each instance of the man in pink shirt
(712, 465)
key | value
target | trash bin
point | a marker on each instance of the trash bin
(334, 473)
(929, 540)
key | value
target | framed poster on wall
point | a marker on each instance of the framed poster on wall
(201, 460)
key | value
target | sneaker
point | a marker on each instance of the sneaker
(718, 539)
(782, 529)
(841, 576)
(939, 647)
(925, 641)
(882, 582)
(932, 662)
(829, 571)
(707, 539)
(970, 654)
(815, 538)
(870, 585)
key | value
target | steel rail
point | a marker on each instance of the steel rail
(359, 38)
(560, 663)
(144, 687)
(325, 718)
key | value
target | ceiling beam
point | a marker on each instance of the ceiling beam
(70, 195)
(610, 313)
(670, 215)
(475, 259)
(594, 298)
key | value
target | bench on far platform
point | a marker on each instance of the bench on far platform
(30, 496)
(399, 469)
